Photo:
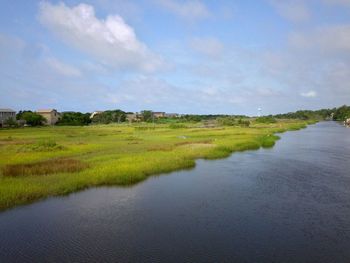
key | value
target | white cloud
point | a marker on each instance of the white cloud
(62, 68)
(309, 94)
(190, 9)
(111, 41)
(211, 47)
(293, 10)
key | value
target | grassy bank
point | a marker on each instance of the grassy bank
(40, 162)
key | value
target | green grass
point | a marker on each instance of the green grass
(39, 162)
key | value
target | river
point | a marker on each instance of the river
(290, 203)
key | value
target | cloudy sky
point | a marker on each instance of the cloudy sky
(191, 56)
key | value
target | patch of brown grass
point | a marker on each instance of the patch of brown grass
(44, 167)
(165, 148)
(194, 142)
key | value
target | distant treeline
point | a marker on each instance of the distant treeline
(118, 116)
(337, 114)
(197, 118)
(74, 119)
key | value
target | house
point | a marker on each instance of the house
(51, 115)
(347, 122)
(132, 117)
(6, 114)
(95, 113)
(171, 115)
(158, 114)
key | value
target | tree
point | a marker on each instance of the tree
(74, 119)
(32, 118)
(342, 113)
(19, 115)
(146, 115)
(110, 116)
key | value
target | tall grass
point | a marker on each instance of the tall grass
(44, 167)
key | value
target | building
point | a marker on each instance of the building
(51, 116)
(133, 117)
(95, 113)
(6, 114)
(171, 115)
(158, 114)
(347, 122)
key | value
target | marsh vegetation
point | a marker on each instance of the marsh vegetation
(47, 161)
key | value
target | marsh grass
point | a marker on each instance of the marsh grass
(41, 146)
(177, 126)
(40, 162)
(44, 168)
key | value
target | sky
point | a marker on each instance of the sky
(194, 56)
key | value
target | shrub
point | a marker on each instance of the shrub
(74, 119)
(177, 126)
(31, 118)
(243, 123)
(226, 121)
(265, 119)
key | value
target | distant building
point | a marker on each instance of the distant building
(158, 114)
(172, 115)
(95, 113)
(51, 116)
(6, 114)
(132, 117)
(347, 122)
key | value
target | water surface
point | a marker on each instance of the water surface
(290, 203)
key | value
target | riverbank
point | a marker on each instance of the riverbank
(39, 162)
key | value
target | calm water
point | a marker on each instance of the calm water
(287, 204)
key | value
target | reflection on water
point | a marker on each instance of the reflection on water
(286, 204)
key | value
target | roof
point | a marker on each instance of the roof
(45, 110)
(7, 110)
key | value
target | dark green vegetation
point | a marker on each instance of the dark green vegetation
(110, 116)
(31, 118)
(342, 113)
(47, 161)
(337, 114)
(266, 119)
(232, 121)
(74, 119)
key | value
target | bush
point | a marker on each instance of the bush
(110, 116)
(265, 119)
(226, 121)
(243, 123)
(74, 119)
(31, 118)
(177, 126)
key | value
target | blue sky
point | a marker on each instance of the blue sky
(192, 56)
